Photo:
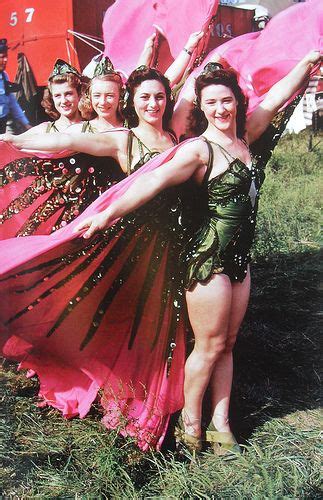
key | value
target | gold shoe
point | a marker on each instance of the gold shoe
(192, 443)
(224, 443)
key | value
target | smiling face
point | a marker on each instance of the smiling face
(150, 102)
(219, 106)
(105, 96)
(65, 98)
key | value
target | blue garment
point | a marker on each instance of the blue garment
(8, 102)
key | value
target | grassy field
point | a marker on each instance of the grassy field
(276, 387)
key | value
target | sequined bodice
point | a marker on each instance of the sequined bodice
(228, 205)
(233, 198)
(238, 184)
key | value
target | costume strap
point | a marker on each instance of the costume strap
(129, 151)
(51, 127)
(173, 138)
(87, 127)
(209, 163)
(141, 147)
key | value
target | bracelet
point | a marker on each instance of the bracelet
(187, 51)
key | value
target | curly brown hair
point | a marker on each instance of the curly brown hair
(85, 105)
(73, 80)
(218, 76)
(138, 76)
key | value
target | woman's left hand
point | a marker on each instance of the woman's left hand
(92, 224)
(193, 40)
(313, 57)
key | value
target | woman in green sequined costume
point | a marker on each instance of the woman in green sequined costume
(217, 256)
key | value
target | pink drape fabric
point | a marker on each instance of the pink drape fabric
(134, 383)
(125, 35)
(263, 58)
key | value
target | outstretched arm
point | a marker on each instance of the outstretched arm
(94, 144)
(283, 90)
(181, 167)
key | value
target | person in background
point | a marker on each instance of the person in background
(8, 102)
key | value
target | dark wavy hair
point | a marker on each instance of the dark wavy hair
(138, 76)
(218, 76)
(73, 80)
(85, 105)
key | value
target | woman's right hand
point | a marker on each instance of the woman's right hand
(93, 224)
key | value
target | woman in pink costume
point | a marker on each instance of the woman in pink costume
(100, 358)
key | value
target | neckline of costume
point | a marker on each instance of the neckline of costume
(146, 147)
(235, 160)
(248, 164)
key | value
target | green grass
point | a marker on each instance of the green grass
(275, 403)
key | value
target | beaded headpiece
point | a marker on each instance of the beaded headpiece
(61, 67)
(105, 67)
(210, 67)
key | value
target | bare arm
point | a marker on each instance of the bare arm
(106, 144)
(38, 129)
(181, 167)
(146, 56)
(283, 90)
(176, 70)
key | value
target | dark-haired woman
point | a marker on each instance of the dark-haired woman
(135, 271)
(217, 257)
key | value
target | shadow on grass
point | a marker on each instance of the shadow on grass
(276, 355)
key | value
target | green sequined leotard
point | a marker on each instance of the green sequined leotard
(228, 216)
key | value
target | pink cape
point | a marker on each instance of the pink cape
(35, 195)
(125, 35)
(262, 58)
(135, 386)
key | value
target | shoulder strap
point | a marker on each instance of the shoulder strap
(50, 127)
(173, 138)
(228, 156)
(210, 161)
(86, 127)
(129, 151)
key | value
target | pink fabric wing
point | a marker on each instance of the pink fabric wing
(125, 35)
(26, 191)
(134, 383)
(179, 19)
(263, 58)
(126, 26)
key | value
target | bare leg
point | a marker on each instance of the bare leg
(221, 380)
(209, 309)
